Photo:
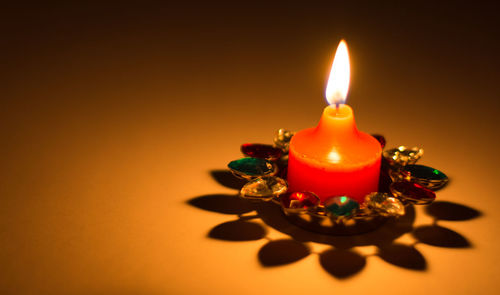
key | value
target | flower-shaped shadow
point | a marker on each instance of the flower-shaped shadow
(342, 260)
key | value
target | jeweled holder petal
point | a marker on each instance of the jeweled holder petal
(402, 184)
(323, 223)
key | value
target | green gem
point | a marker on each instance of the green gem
(251, 167)
(341, 206)
(424, 172)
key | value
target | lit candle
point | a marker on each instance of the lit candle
(334, 158)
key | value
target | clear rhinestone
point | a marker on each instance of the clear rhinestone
(263, 188)
(282, 139)
(384, 204)
(402, 155)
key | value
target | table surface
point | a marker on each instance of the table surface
(118, 120)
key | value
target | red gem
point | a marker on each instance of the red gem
(413, 192)
(299, 200)
(380, 139)
(263, 151)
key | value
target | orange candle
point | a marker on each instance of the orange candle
(335, 158)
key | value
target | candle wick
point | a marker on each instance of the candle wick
(336, 108)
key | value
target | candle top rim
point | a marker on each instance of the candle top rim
(340, 111)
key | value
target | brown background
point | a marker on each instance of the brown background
(113, 116)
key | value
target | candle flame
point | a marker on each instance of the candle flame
(338, 82)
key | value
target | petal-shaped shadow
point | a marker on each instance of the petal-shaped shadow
(441, 237)
(282, 252)
(342, 263)
(403, 256)
(221, 203)
(392, 230)
(238, 230)
(451, 211)
(227, 179)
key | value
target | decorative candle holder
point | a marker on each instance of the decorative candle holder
(402, 184)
